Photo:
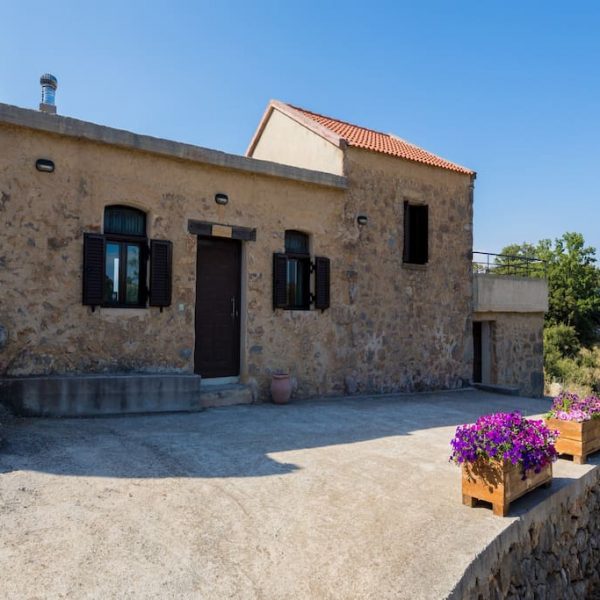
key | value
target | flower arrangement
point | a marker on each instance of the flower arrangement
(505, 436)
(570, 407)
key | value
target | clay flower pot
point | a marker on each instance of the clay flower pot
(281, 388)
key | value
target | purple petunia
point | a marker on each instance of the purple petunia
(570, 407)
(509, 436)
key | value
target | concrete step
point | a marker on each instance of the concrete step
(213, 396)
(115, 394)
(508, 390)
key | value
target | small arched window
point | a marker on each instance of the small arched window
(125, 256)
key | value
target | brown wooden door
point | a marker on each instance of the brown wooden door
(217, 351)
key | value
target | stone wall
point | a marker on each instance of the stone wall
(423, 330)
(551, 553)
(389, 327)
(517, 350)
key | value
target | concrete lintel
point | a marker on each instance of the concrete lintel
(75, 128)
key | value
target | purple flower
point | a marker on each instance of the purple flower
(570, 407)
(509, 436)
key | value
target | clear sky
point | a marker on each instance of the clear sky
(510, 89)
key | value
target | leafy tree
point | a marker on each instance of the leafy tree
(573, 282)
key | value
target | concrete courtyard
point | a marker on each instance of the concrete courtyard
(343, 498)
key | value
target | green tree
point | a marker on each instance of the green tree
(573, 282)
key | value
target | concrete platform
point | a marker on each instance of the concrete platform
(115, 393)
(330, 499)
(101, 394)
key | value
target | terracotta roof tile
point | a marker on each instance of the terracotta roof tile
(361, 137)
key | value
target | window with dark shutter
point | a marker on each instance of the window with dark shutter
(416, 233)
(93, 269)
(161, 258)
(322, 282)
(292, 275)
(115, 263)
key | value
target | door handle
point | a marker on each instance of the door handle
(233, 307)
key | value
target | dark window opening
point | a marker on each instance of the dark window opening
(416, 233)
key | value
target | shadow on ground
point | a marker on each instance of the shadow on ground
(234, 441)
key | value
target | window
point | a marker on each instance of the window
(298, 270)
(416, 231)
(292, 275)
(114, 264)
(125, 256)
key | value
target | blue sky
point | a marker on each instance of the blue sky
(510, 89)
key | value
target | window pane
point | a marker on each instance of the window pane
(132, 276)
(124, 220)
(296, 242)
(111, 280)
(298, 274)
(292, 275)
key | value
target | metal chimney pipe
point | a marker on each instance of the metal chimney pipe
(49, 84)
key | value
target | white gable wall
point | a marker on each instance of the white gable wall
(283, 140)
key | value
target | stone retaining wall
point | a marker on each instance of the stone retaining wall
(552, 552)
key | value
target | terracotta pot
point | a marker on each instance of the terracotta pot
(281, 388)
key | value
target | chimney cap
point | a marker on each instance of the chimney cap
(48, 79)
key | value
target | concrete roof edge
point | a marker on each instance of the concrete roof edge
(75, 128)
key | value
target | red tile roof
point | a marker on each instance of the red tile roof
(361, 137)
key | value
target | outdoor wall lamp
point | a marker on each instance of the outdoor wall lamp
(45, 165)
(221, 199)
(362, 219)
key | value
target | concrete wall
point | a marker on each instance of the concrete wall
(509, 294)
(517, 344)
(286, 141)
(390, 327)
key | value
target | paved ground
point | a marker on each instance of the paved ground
(347, 498)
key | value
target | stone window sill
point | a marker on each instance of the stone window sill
(414, 266)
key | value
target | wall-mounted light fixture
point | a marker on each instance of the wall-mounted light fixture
(362, 219)
(43, 164)
(221, 199)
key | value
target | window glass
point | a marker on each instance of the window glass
(111, 281)
(124, 220)
(296, 242)
(132, 276)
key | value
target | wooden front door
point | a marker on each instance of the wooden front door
(218, 271)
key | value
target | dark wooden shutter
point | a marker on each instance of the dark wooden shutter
(322, 282)
(161, 258)
(93, 269)
(279, 281)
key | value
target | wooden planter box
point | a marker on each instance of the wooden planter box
(577, 439)
(499, 482)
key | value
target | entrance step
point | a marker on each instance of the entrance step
(213, 396)
(101, 394)
(508, 390)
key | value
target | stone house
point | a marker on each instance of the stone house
(131, 265)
